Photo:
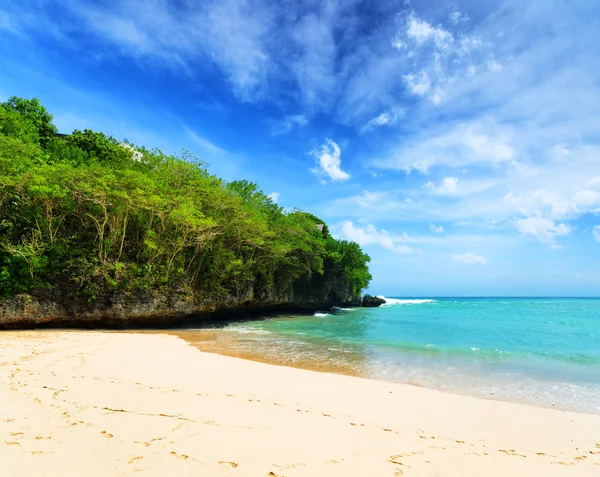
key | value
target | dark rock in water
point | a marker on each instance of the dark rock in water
(372, 301)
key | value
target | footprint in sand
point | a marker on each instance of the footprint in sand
(232, 464)
(107, 435)
(179, 456)
(511, 452)
(12, 443)
(132, 460)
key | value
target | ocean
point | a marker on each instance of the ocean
(540, 351)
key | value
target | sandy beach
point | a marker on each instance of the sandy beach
(118, 404)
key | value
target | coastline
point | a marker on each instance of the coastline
(94, 403)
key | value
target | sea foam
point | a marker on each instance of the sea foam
(411, 301)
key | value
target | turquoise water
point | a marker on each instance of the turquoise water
(537, 351)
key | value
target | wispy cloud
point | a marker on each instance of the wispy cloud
(438, 229)
(470, 258)
(383, 119)
(446, 187)
(204, 143)
(454, 146)
(370, 235)
(274, 196)
(596, 233)
(329, 162)
(288, 123)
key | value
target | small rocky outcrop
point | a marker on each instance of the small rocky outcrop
(372, 301)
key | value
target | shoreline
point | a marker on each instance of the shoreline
(225, 343)
(97, 403)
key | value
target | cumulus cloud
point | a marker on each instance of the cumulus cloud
(422, 32)
(543, 228)
(470, 258)
(438, 229)
(329, 162)
(370, 235)
(447, 186)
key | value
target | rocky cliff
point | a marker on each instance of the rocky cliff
(59, 307)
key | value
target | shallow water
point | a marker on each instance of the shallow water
(537, 351)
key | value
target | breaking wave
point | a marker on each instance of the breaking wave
(409, 301)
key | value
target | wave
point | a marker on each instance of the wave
(253, 331)
(321, 315)
(398, 301)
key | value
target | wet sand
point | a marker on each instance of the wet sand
(98, 404)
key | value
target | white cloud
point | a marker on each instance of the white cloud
(422, 32)
(438, 229)
(329, 162)
(418, 85)
(7, 23)
(479, 143)
(288, 123)
(204, 143)
(382, 119)
(439, 55)
(494, 66)
(313, 56)
(543, 228)
(230, 33)
(274, 196)
(470, 258)
(370, 235)
(458, 17)
(596, 233)
(447, 186)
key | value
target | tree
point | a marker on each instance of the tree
(34, 113)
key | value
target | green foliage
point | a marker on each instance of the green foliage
(34, 114)
(92, 214)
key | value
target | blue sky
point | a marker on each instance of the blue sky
(458, 142)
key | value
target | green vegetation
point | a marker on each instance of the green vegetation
(89, 214)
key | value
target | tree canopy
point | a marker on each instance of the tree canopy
(91, 212)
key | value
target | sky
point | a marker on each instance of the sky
(457, 142)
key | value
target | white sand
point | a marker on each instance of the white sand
(110, 404)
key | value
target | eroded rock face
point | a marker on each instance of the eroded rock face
(372, 301)
(55, 307)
